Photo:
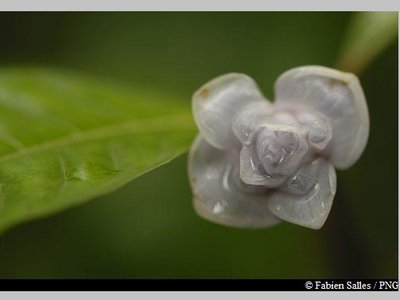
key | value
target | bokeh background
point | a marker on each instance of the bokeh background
(148, 228)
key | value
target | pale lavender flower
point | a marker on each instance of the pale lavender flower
(256, 162)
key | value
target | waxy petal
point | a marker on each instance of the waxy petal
(336, 95)
(219, 194)
(246, 122)
(252, 171)
(217, 102)
(307, 197)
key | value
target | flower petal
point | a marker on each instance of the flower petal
(336, 95)
(246, 122)
(280, 149)
(319, 131)
(219, 194)
(217, 102)
(252, 171)
(307, 197)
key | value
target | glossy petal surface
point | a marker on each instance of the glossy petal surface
(280, 149)
(336, 95)
(273, 150)
(253, 172)
(246, 122)
(319, 130)
(306, 199)
(219, 194)
(217, 102)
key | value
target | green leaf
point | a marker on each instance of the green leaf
(65, 139)
(368, 35)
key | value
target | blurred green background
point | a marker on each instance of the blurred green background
(148, 229)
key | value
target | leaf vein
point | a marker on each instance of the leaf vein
(173, 122)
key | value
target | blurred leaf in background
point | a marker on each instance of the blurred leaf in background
(369, 33)
(148, 229)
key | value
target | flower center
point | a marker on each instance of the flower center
(279, 151)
